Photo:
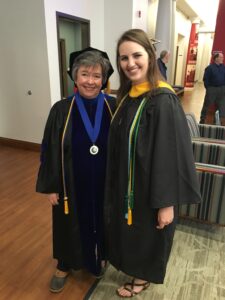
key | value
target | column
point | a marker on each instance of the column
(219, 41)
(165, 32)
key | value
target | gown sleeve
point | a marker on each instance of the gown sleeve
(48, 180)
(173, 177)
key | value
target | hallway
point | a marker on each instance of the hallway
(192, 100)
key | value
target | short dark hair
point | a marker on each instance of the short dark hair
(216, 54)
(76, 56)
(91, 59)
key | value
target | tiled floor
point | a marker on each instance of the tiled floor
(195, 270)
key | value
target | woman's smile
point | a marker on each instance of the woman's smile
(134, 61)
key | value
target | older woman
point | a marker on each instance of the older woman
(72, 169)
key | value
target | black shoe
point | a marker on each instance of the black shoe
(102, 272)
(57, 282)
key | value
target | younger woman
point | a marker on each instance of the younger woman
(150, 168)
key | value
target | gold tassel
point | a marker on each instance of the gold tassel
(129, 219)
(107, 89)
(66, 207)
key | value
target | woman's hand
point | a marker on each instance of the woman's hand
(165, 217)
(53, 198)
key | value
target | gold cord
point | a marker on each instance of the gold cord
(121, 102)
(66, 206)
(108, 106)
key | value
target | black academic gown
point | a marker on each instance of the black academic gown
(164, 176)
(78, 236)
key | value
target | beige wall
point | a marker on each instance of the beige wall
(24, 66)
(114, 26)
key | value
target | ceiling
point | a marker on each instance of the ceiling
(204, 11)
(186, 9)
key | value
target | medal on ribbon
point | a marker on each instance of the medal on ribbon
(92, 131)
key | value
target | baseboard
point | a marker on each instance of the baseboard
(20, 144)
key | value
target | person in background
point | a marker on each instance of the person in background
(162, 61)
(214, 82)
(72, 170)
(150, 167)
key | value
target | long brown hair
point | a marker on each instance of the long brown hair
(140, 37)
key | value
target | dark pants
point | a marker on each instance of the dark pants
(62, 266)
(215, 95)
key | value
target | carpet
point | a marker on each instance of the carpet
(196, 269)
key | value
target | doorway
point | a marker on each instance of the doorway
(73, 35)
(180, 61)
